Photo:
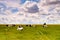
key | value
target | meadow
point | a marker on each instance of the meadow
(52, 32)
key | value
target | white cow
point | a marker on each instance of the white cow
(20, 28)
(44, 25)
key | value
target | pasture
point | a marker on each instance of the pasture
(52, 32)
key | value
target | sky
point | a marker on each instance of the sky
(29, 12)
(23, 1)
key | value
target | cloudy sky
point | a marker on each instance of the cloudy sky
(29, 11)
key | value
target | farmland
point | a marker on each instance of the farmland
(52, 32)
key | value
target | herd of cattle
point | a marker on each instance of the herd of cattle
(20, 27)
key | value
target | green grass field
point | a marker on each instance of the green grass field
(52, 32)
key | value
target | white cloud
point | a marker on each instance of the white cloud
(24, 17)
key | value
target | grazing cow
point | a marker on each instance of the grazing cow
(20, 28)
(10, 25)
(44, 25)
(13, 25)
(30, 25)
(26, 25)
(7, 25)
